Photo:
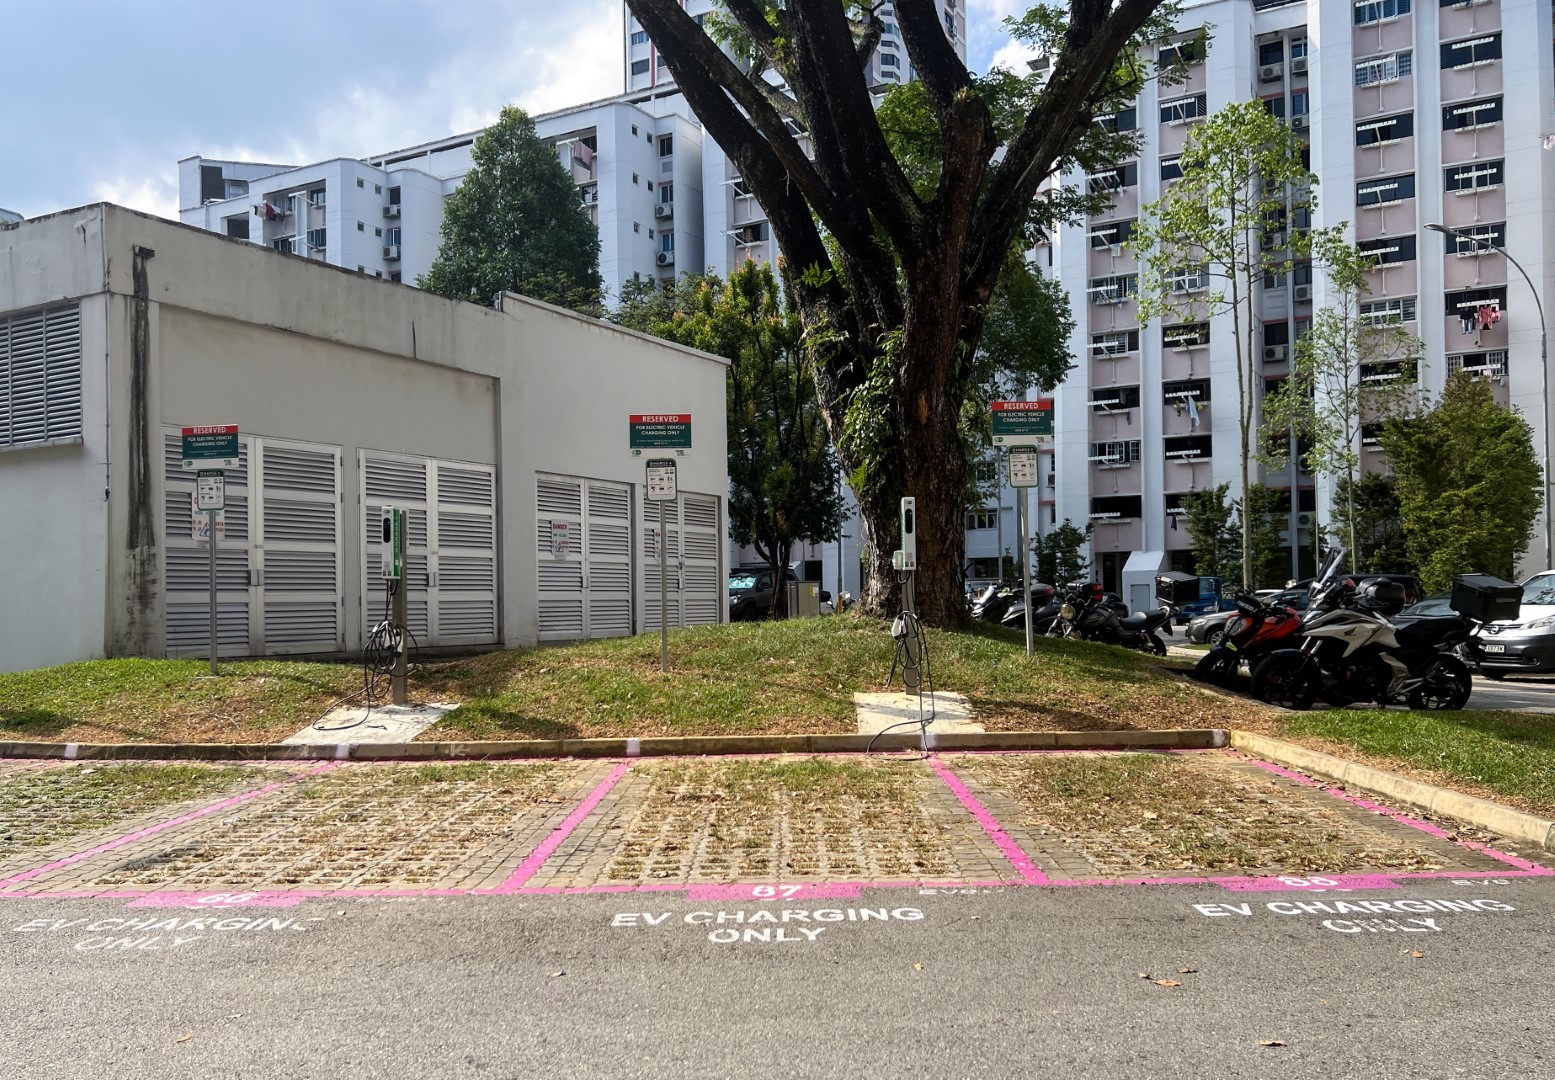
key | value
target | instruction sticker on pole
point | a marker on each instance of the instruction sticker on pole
(210, 489)
(210, 446)
(663, 432)
(200, 521)
(661, 480)
(1023, 467)
(1022, 423)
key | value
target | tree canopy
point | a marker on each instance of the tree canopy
(514, 224)
(892, 274)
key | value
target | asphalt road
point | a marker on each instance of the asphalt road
(1447, 979)
(1525, 695)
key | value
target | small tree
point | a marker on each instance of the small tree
(1468, 484)
(514, 224)
(1266, 513)
(1206, 243)
(1368, 518)
(782, 475)
(1059, 557)
(1214, 532)
(1348, 371)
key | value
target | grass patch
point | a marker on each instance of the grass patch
(1507, 756)
(169, 700)
(49, 805)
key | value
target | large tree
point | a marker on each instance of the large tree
(1468, 483)
(514, 224)
(782, 474)
(893, 286)
(1224, 226)
(1350, 371)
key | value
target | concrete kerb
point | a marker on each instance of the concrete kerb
(1502, 820)
(677, 746)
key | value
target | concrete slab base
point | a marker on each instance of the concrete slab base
(876, 712)
(356, 724)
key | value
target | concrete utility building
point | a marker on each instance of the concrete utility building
(503, 431)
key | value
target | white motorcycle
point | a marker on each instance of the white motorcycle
(1351, 651)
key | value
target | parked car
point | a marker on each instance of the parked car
(1526, 645)
(750, 593)
(1432, 607)
(1206, 629)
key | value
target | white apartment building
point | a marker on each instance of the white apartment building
(1418, 112)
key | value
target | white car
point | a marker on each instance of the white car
(1526, 645)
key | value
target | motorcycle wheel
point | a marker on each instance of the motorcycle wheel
(1448, 687)
(1154, 645)
(1288, 680)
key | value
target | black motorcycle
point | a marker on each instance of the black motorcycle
(992, 603)
(1046, 602)
(1085, 614)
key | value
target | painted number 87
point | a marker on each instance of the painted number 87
(775, 892)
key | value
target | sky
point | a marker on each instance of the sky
(126, 88)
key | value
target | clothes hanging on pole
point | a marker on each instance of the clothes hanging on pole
(1488, 315)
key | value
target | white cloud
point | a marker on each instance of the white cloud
(987, 38)
(153, 193)
(1013, 56)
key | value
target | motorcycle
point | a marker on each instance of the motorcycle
(1085, 614)
(1351, 651)
(1256, 630)
(1046, 601)
(992, 603)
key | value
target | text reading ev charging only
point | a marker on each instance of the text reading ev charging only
(1375, 916)
(765, 927)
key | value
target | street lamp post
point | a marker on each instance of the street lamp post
(1544, 376)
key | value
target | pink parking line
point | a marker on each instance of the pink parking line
(527, 869)
(1018, 858)
(152, 830)
(1532, 869)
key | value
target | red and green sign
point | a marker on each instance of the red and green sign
(1022, 422)
(659, 431)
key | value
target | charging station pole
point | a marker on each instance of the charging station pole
(211, 525)
(400, 587)
(1023, 476)
(661, 486)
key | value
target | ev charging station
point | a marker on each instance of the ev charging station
(392, 540)
(910, 652)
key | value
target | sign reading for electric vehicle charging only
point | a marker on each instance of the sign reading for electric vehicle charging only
(1022, 423)
(211, 446)
(660, 431)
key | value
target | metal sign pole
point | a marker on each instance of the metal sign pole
(1025, 561)
(210, 518)
(664, 592)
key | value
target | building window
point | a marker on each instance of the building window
(286, 245)
(1114, 398)
(1115, 452)
(666, 145)
(395, 275)
(1185, 335)
(1474, 176)
(636, 179)
(377, 189)
(378, 231)
(1476, 239)
(316, 197)
(1182, 110)
(1126, 119)
(1187, 447)
(1376, 11)
(1115, 508)
(1300, 102)
(317, 239)
(1113, 290)
(1171, 169)
(1471, 114)
(361, 226)
(1390, 312)
(1298, 48)
(237, 227)
(980, 520)
(667, 241)
(1177, 393)
(1275, 106)
(1385, 130)
(1114, 343)
(40, 377)
(1187, 54)
(639, 67)
(394, 195)
(1189, 279)
(637, 227)
(747, 235)
(1384, 69)
(1480, 364)
(666, 194)
(888, 60)
(1465, 303)
(1125, 175)
(1470, 53)
(1389, 250)
(1111, 234)
(360, 182)
(1388, 190)
(1271, 52)
(639, 37)
(634, 131)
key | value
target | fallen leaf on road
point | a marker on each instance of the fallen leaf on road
(916, 966)
(1142, 974)
(186, 1036)
(1166, 982)
(1417, 954)
(1271, 1042)
(554, 974)
(1180, 971)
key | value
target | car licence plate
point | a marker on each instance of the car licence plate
(1495, 648)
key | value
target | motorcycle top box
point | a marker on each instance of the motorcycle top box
(1485, 599)
(1380, 595)
(1176, 588)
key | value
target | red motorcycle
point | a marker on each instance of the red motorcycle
(1256, 630)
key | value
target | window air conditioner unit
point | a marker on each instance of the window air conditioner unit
(1303, 294)
(1271, 73)
(665, 258)
(1273, 354)
(1303, 521)
(1298, 65)
(663, 210)
(1298, 123)
(391, 251)
(392, 211)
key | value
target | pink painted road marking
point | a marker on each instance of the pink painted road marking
(1018, 858)
(536, 859)
(1531, 868)
(152, 830)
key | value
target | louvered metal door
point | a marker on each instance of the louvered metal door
(186, 562)
(693, 579)
(583, 547)
(297, 555)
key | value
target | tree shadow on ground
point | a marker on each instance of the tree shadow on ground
(476, 721)
(42, 723)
